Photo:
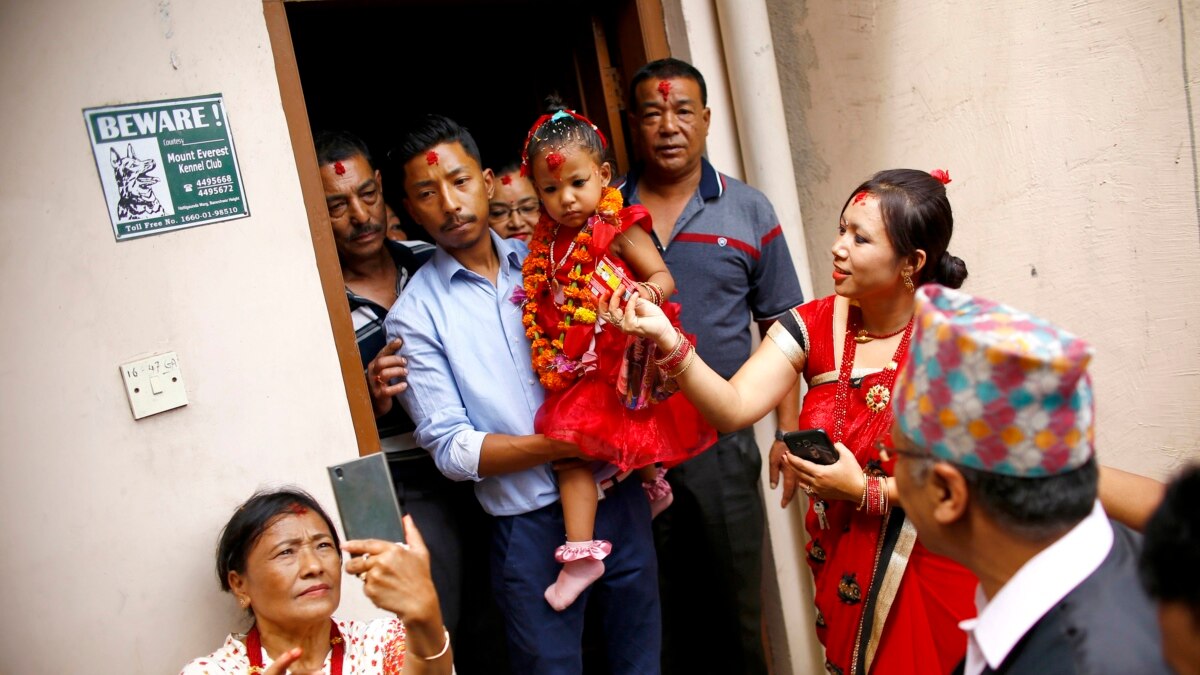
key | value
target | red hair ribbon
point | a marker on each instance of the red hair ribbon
(941, 174)
(431, 158)
(339, 168)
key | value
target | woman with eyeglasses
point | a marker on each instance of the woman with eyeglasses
(884, 603)
(514, 208)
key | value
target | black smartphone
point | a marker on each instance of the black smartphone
(366, 499)
(811, 444)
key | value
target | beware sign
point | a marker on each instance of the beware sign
(166, 165)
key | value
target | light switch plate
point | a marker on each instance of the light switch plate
(154, 384)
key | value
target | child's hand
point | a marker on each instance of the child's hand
(643, 318)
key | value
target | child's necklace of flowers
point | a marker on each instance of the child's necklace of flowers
(555, 371)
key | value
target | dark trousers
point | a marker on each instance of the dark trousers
(456, 530)
(542, 640)
(710, 561)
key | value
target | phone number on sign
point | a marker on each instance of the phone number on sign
(205, 215)
(205, 192)
(214, 180)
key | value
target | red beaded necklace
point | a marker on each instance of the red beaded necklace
(862, 337)
(880, 394)
(254, 649)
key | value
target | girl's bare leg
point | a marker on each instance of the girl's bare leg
(581, 556)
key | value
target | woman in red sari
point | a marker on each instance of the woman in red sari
(884, 603)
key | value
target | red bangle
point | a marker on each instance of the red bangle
(677, 359)
(874, 496)
(679, 342)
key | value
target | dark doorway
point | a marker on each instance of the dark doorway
(369, 66)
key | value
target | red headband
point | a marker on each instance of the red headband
(546, 118)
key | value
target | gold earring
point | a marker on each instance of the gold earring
(908, 284)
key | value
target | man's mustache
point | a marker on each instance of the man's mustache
(459, 219)
(366, 228)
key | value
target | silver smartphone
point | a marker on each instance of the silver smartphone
(366, 499)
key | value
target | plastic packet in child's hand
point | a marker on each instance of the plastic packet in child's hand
(608, 278)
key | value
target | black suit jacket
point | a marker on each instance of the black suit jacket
(1105, 626)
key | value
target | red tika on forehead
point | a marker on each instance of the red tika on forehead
(664, 88)
(339, 168)
(860, 197)
(431, 158)
(506, 179)
(554, 162)
(297, 509)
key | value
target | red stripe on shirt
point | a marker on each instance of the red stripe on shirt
(771, 235)
(714, 239)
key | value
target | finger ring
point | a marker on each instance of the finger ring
(808, 489)
(366, 557)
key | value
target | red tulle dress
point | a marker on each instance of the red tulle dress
(920, 632)
(590, 412)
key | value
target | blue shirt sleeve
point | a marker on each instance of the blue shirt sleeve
(432, 398)
(774, 286)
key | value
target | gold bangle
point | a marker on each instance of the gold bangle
(445, 647)
(659, 295)
(863, 502)
(674, 352)
(687, 363)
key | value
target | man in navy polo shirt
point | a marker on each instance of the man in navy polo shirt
(722, 242)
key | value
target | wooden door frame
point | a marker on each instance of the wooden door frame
(646, 15)
(333, 287)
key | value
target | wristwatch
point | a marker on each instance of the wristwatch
(779, 434)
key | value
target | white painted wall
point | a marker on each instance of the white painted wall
(1065, 127)
(110, 523)
(1067, 132)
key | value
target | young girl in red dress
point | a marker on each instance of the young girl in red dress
(605, 392)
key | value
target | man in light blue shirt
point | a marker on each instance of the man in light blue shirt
(473, 395)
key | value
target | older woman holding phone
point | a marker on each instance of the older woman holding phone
(279, 555)
(884, 603)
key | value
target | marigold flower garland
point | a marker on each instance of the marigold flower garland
(555, 370)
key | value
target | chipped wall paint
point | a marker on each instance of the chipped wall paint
(1067, 131)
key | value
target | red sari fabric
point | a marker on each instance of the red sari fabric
(590, 412)
(921, 633)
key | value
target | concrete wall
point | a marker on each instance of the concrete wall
(110, 523)
(1066, 129)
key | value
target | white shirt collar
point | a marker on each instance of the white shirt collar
(1040, 583)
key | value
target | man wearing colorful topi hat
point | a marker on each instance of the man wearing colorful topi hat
(996, 469)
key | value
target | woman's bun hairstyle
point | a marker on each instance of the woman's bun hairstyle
(951, 271)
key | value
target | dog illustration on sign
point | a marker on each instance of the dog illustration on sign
(137, 199)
